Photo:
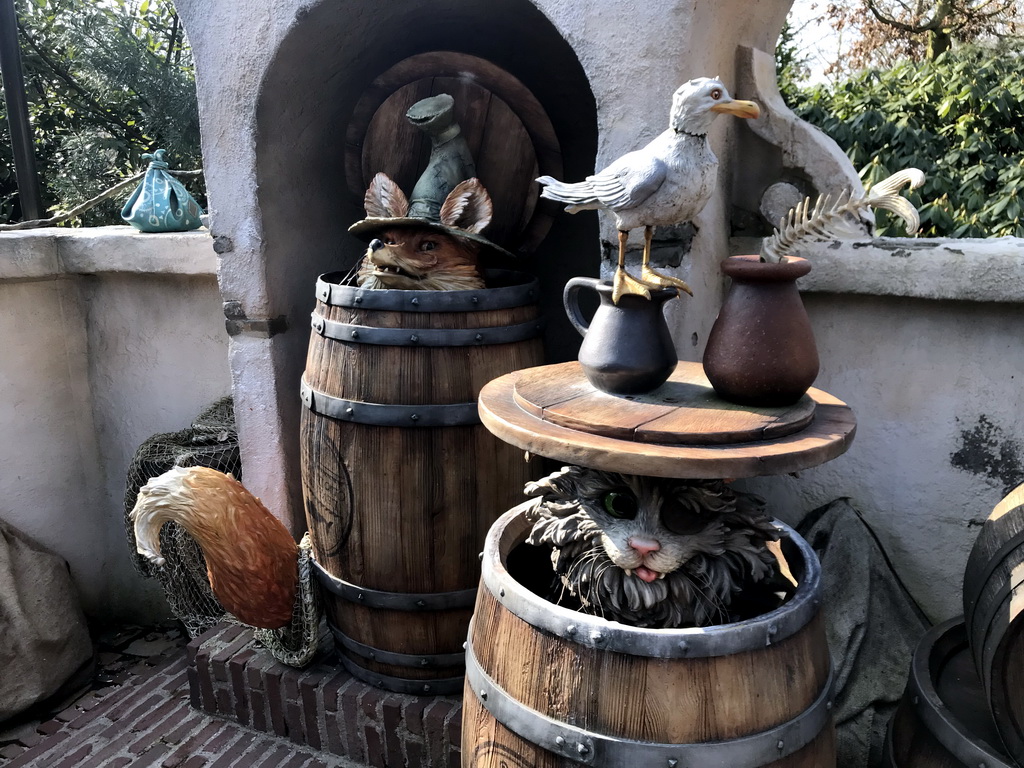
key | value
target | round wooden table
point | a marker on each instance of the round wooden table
(681, 430)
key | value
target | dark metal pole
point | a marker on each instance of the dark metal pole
(17, 114)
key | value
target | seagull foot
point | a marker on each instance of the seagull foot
(624, 283)
(657, 280)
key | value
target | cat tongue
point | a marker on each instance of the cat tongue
(645, 573)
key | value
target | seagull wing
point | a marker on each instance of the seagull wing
(626, 183)
(629, 181)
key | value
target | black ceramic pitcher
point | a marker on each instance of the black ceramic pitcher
(627, 348)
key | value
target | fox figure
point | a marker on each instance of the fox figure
(421, 255)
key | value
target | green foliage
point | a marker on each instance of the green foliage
(957, 119)
(105, 83)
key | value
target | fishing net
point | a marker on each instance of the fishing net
(212, 441)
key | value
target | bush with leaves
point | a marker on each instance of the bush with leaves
(957, 118)
(105, 82)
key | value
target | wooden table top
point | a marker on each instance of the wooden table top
(682, 429)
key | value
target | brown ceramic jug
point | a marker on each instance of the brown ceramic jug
(761, 349)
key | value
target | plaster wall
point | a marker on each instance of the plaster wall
(273, 114)
(109, 337)
(921, 343)
(922, 339)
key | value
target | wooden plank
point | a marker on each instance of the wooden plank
(828, 436)
(684, 410)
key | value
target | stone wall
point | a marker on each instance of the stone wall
(109, 336)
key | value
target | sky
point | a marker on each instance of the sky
(815, 37)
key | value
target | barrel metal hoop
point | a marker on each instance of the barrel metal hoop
(969, 749)
(388, 414)
(527, 291)
(394, 601)
(415, 660)
(992, 563)
(592, 748)
(996, 618)
(425, 337)
(443, 687)
(692, 642)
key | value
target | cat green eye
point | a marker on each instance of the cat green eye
(620, 504)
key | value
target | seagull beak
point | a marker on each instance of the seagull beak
(738, 108)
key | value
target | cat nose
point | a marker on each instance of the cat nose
(376, 245)
(642, 545)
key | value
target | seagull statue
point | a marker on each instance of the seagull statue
(667, 182)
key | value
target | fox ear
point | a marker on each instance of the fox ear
(467, 207)
(384, 200)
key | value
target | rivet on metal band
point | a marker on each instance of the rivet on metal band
(694, 642)
(426, 337)
(934, 713)
(415, 660)
(591, 748)
(442, 687)
(388, 414)
(395, 601)
(515, 289)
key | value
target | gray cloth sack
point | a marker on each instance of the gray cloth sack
(872, 624)
(44, 639)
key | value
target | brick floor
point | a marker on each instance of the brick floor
(321, 707)
(148, 721)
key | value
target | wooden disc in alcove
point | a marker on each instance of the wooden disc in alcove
(509, 134)
(683, 411)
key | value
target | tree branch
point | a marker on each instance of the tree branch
(911, 28)
(68, 79)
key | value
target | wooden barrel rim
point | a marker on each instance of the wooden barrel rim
(516, 289)
(593, 748)
(511, 529)
(933, 650)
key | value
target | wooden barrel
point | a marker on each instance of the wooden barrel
(547, 686)
(400, 480)
(942, 720)
(994, 613)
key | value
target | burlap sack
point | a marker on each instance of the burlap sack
(872, 624)
(44, 639)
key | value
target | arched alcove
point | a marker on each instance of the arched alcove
(325, 64)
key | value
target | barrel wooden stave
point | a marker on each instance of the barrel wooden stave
(406, 510)
(993, 606)
(486, 743)
(676, 700)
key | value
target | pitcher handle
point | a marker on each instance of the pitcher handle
(570, 298)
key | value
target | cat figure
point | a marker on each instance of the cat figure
(656, 552)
